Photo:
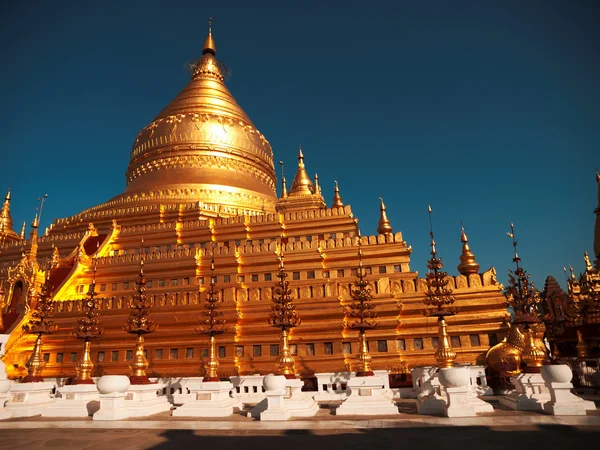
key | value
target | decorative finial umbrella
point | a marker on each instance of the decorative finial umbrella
(439, 302)
(140, 323)
(212, 324)
(88, 328)
(361, 310)
(283, 315)
(525, 299)
(40, 323)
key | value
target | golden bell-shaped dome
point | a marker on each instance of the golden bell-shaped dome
(504, 358)
(202, 147)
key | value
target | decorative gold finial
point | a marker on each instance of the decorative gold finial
(301, 184)
(283, 315)
(588, 264)
(22, 235)
(524, 298)
(6, 224)
(212, 324)
(467, 265)
(384, 226)
(88, 328)
(209, 43)
(140, 323)
(284, 193)
(317, 186)
(439, 301)
(337, 199)
(40, 323)
(361, 310)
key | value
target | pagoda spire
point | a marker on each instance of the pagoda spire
(303, 195)
(439, 302)
(524, 298)
(209, 43)
(337, 199)
(301, 184)
(22, 235)
(359, 314)
(467, 265)
(284, 192)
(597, 227)
(6, 224)
(317, 186)
(384, 227)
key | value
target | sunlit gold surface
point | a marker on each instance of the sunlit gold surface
(467, 265)
(35, 364)
(532, 355)
(285, 360)
(363, 358)
(202, 147)
(196, 177)
(444, 354)
(504, 358)
(85, 366)
(383, 226)
(7, 233)
(337, 198)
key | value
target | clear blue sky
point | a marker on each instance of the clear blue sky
(488, 111)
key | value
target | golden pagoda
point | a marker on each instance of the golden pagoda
(201, 184)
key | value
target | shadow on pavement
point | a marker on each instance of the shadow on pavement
(546, 437)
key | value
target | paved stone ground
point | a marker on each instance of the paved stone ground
(502, 429)
(546, 437)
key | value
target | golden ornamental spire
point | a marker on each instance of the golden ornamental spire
(439, 302)
(212, 324)
(284, 192)
(87, 328)
(301, 184)
(467, 265)
(283, 315)
(140, 323)
(209, 43)
(337, 199)
(22, 235)
(362, 311)
(317, 186)
(525, 300)
(6, 224)
(384, 226)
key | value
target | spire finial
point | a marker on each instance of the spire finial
(432, 244)
(317, 186)
(284, 193)
(22, 235)
(467, 265)
(384, 226)
(301, 184)
(337, 199)
(511, 235)
(7, 198)
(209, 43)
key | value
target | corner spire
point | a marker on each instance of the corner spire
(209, 43)
(467, 265)
(337, 199)
(301, 184)
(384, 226)
(6, 224)
(284, 192)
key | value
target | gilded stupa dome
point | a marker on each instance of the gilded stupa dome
(202, 147)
